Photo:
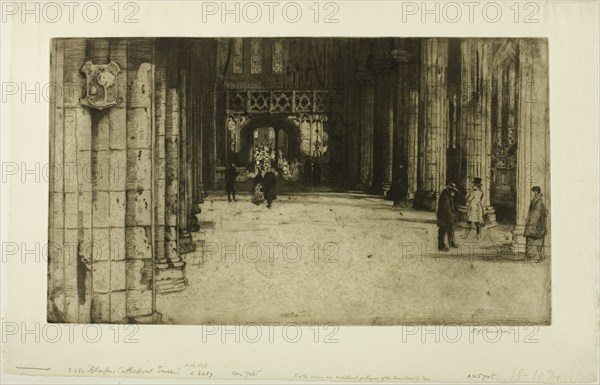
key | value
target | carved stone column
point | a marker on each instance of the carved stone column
(194, 187)
(160, 157)
(366, 92)
(433, 136)
(476, 97)
(199, 150)
(485, 154)
(383, 143)
(366, 98)
(533, 163)
(412, 141)
(139, 208)
(406, 117)
(186, 244)
(170, 274)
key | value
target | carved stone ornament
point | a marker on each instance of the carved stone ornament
(101, 85)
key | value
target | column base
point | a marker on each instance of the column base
(193, 223)
(425, 200)
(518, 243)
(364, 186)
(170, 279)
(54, 315)
(387, 192)
(186, 243)
(154, 318)
(380, 190)
(201, 193)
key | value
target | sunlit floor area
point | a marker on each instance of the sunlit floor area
(349, 259)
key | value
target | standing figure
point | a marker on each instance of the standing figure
(269, 182)
(400, 188)
(475, 208)
(446, 215)
(306, 172)
(230, 177)
(316, 173)
(535, 226)
(258, 197)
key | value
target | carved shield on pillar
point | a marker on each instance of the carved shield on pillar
(101, 85)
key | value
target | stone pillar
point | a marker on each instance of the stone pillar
(434, 130)
(102, 208)
(485, 158)
(383, 143)
(109, 144)
(476, 97)
(406, 119)
(186, 243)
(160, 162)
(199, 118)
(194, 129)
(139, 209)
(198, 150)
(55, 298)
(86, 262)
(533, 162)
(365, 82)
(170, 274)
(352, 111)
(211, 121)
(208, 137)
(412, 142)
(183, 137)
(75, 293)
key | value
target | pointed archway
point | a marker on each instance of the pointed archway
(284, 137)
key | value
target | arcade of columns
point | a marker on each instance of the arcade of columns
(119, 222)
(117, 235)
(412, 125)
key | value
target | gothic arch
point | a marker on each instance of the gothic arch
(508, 52)
(279, 122)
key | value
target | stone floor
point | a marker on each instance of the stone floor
(349, 259)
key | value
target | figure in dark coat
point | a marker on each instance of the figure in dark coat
(306, 172)
(258, 179)
(316, 173)
(446, 215)
(400, 187)
(269, 182)
(403, 184)
(535, 226)
(230, 177)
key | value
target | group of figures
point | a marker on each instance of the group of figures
(535, 225)
(264, 188)
(264, 185)
(447, 213)
(535, 228)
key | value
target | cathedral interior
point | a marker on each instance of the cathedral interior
(365, 110)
